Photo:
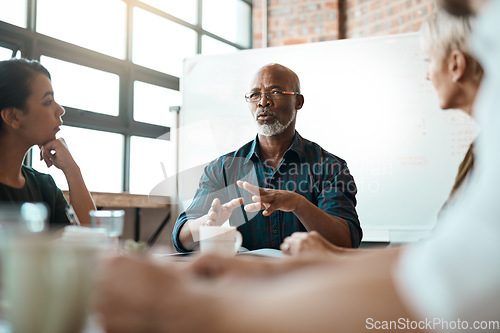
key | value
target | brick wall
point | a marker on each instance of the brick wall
(306, 21)
(384, 17)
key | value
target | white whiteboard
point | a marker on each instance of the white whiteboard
(366, 101)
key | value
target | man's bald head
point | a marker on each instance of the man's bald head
(281, 71)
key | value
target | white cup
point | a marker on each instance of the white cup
(220, 240)
(47, 285)
(86, 236)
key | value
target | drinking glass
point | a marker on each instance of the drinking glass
(16, 220)
(111, 221)
(22, 218)
(47, 284)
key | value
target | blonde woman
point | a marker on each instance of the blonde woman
(455, 75)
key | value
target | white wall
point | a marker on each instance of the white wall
(366, 100)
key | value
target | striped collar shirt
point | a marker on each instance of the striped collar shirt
(306, 168)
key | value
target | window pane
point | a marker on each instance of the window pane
(229, 19)
(13, 12)
(82, 87)
(151, 104)
(95, 24)
(146, 158)
(161, 44)
(98, 154)
(5, 54)
(210, 46)
(183, 9)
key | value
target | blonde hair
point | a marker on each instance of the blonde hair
(442, 33)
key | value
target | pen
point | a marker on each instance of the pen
(70, 213)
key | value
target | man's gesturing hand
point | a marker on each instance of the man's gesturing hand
(270, 200)
(218, 214)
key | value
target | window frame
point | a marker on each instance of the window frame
(33, 45)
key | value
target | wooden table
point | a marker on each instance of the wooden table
(136, 201)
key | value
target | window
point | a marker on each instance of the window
(210, 46)
(82, 87)
(228, 18)
(13, 12)
(5, 53)
(185, 9)
(151, 162)
(95, 24)
(99, 155)
(151, 104)
(116, 68)
(164, 49)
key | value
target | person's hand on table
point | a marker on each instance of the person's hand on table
(220, 213)
(308, 244)
(216, 267)
(138, 295)
(270, 200)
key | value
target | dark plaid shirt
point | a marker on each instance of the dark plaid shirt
(306, 168)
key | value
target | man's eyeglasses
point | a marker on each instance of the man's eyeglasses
(254, 97)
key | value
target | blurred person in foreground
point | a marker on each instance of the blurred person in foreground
(450, 281)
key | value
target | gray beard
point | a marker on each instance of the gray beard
(275, 128)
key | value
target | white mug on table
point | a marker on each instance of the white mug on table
(220, 240)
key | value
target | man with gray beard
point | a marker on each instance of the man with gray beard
(447, 283)
(292, 184)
